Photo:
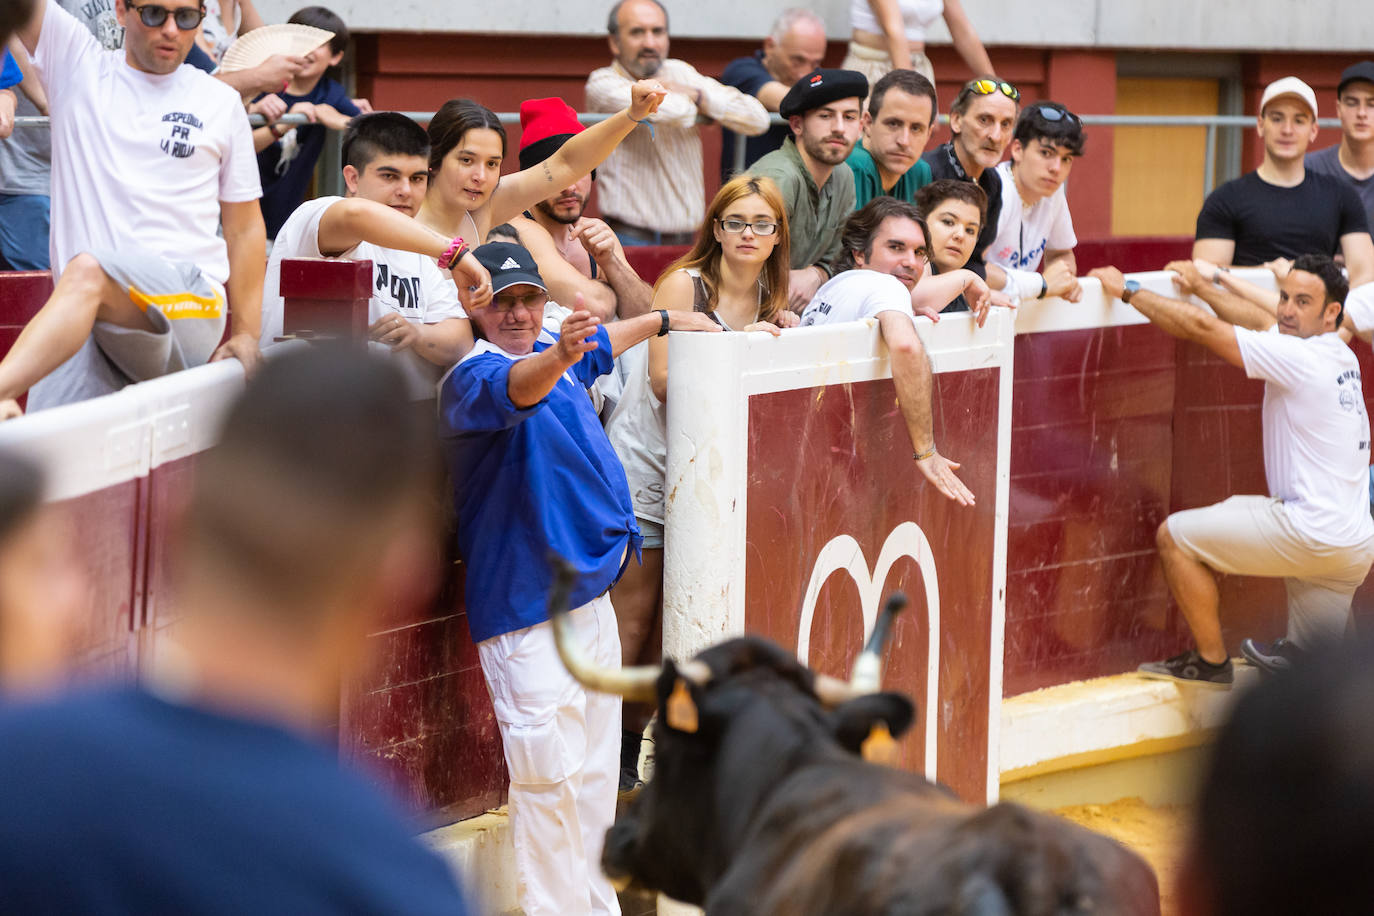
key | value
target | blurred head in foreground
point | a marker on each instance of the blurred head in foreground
(1283, 819)
(41, 587)
(314, 513)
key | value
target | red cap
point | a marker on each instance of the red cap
(544, 118)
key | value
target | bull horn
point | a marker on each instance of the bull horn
(832, 691)
(634, 684)
(868, 667)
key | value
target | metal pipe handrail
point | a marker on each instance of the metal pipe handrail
(1210, 123)
(1102, 120)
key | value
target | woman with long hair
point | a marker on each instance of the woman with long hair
(467, 195)
(736, 273)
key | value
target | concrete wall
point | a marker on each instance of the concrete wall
(1326, 25)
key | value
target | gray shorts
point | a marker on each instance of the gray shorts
(653, 533)
(1252, 536)
(187, 312)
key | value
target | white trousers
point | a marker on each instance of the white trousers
(562, 748)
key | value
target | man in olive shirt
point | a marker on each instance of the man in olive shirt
(823, 110)
(901, 112)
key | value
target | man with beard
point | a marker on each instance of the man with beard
(576, 254)
(824, 111)
(653, 191)
(981, 120)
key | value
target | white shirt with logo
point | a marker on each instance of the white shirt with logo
(1316, 432)
(1024, 233)
(404, 282)
(140, 161)
(854, 295)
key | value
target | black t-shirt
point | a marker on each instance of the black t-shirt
(120, 802)
(1267, 221)
(945, 164)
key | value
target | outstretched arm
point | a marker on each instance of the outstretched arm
(565, 282)
(1179, 319)
(1244, 304)
(355, 219)
(912, 379)
(584, 152)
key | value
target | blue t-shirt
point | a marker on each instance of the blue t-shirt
(117, 801)
(284, 183)
(529, 483)
(749, 75)
(10, 74)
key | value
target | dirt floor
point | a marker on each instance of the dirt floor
(1157, 833)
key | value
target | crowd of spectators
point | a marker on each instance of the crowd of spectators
(504, 300)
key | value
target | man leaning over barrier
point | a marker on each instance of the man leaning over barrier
(1314, 529)
(885, 249)
(150, 158)
(535, 474)
(416, 272)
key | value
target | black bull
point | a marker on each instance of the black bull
(763, 806)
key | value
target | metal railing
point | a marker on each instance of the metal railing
(1213, 124)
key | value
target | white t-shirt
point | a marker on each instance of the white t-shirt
(917, 16)
(404, 282)
(140, 160)
(1024, 233)
(1316, 432)
(1359, 307)
(854, 295)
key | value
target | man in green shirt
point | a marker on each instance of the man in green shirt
(901, 112)
(823, 110)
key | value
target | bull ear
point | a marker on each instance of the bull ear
(676, 706)
(852, 721)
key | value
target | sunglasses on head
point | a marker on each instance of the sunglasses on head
(988, 87)
(153, 16)
(1050, 113)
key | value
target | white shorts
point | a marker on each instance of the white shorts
(187, 312)
(1252, 536)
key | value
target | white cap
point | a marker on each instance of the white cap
(1289, 85)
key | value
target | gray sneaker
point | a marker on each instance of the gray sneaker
(1190, 668)
(1281, 655)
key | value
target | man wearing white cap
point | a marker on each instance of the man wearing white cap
(1282, 209)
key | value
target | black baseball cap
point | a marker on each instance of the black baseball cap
(509, 265)
(1364, 70)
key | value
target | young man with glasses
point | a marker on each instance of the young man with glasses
(824, 111)
(981, 121)
(536, 476)
(1047, 140)
(150, 158)
(885, 251)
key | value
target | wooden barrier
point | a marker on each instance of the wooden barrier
(1078, 432)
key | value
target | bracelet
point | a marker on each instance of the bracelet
(1216, 275)
(663, 328)
(1044, 287)
(453, 253)
(922, 456)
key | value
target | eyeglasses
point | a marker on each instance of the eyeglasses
(153, 16)
(1055, 114)
(988, 87)
(532, 301)
(736, 226)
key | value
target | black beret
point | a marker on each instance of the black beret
(821, 87)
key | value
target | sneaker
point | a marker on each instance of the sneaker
(1190, 668)
(1281, 655)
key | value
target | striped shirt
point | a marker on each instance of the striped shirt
(656, 181)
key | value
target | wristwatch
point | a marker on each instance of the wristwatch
(1131, 287)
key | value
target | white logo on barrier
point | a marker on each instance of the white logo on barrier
(843, 552)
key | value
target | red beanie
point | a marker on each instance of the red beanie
(545, 125)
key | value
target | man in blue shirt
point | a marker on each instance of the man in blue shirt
(535, 475)
(794, 48)
(215, 785)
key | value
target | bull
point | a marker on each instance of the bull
(761, 802)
